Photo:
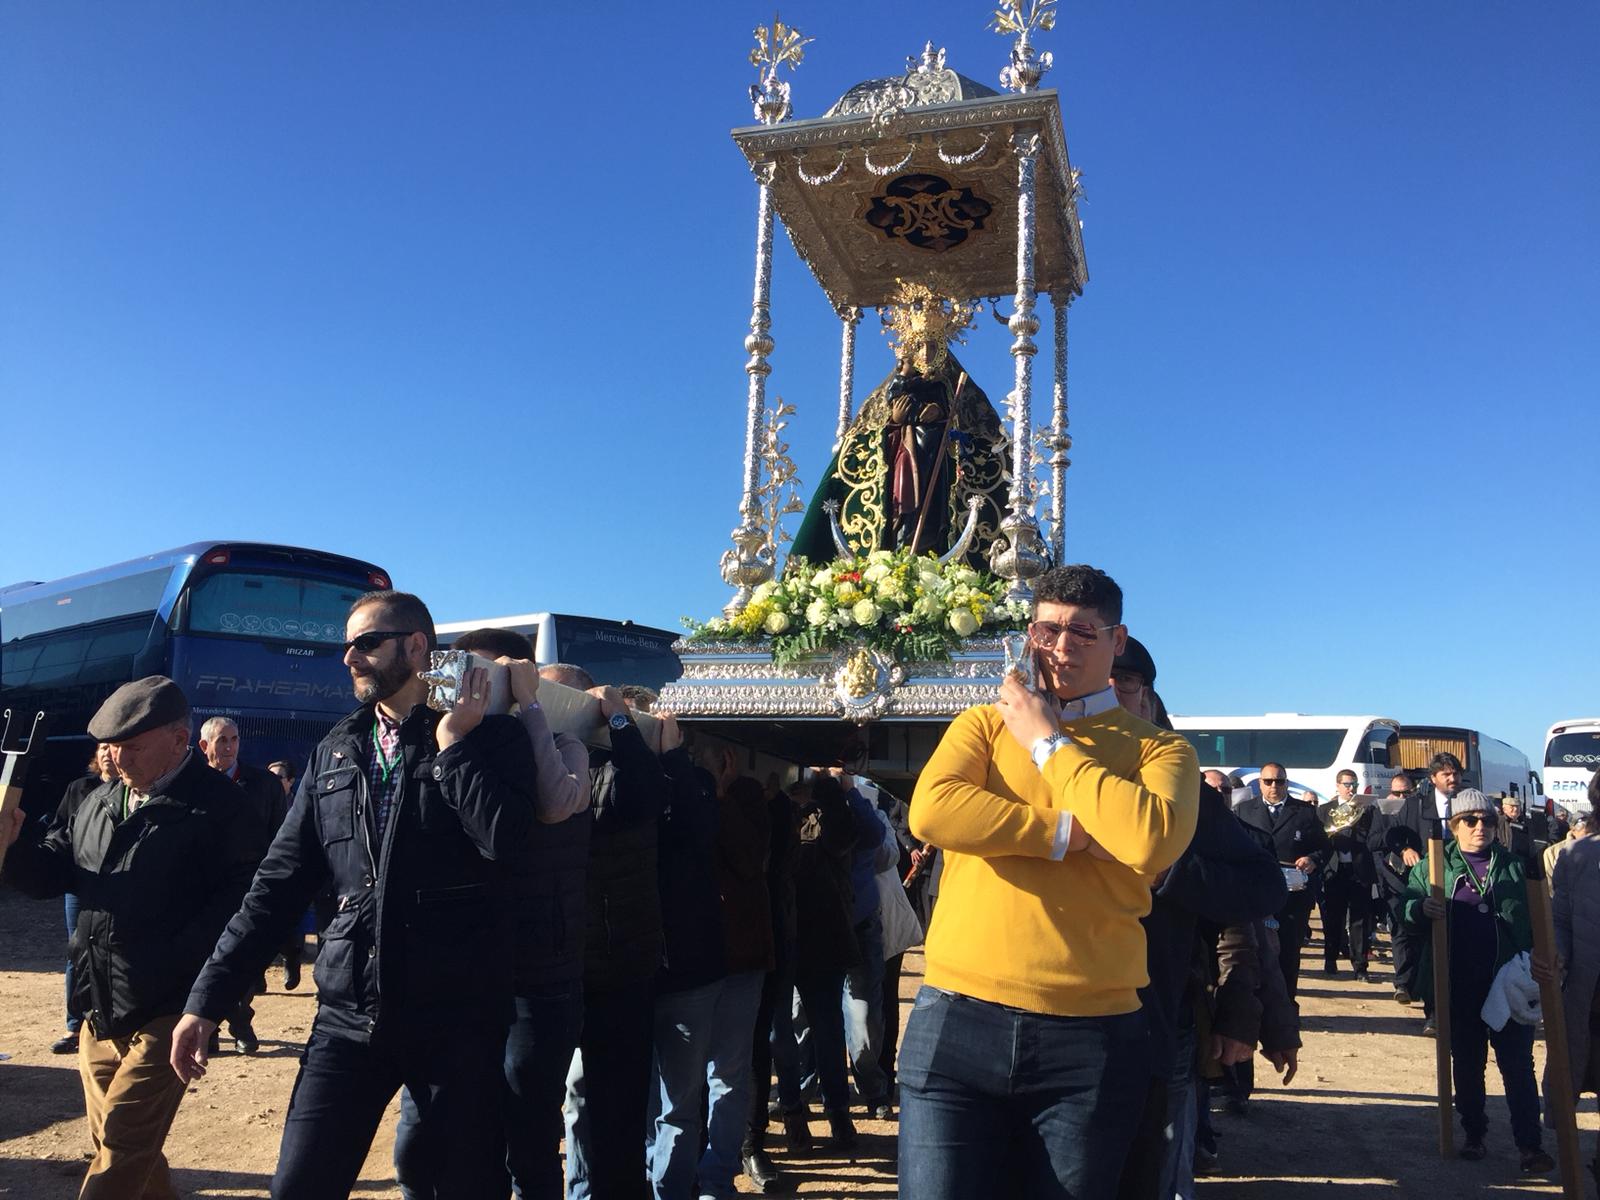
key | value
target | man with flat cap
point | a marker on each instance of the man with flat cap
(159, 859)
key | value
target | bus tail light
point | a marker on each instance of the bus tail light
(378, 580)
(217, 558)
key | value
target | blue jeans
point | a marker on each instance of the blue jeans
(728, 1082)
(74, 1019)
(1177, 1177)
(863, 1013)
(684, 1021)
(539, 1050)
(995, 1101)
(339, 1097)
(608, 1095)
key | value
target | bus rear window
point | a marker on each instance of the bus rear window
(280, 607)
(1296, 749)
(1574, 750)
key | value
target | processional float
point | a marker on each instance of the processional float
(924, 197)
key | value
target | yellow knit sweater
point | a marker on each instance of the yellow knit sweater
(1014, 927)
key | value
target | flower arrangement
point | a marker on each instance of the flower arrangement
(907, 605)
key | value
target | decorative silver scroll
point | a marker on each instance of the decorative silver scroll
(448, 668)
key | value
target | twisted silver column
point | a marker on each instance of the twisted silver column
(1018, 555)
(745, 566)
(849, 318)
(1059, 441)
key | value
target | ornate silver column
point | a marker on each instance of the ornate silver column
(1059, 441)
(1018, 554)
(749, 563)
(850, 318)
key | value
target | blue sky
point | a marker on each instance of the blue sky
(460, 289)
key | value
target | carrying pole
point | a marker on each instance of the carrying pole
(1441, 999)
(1558, 1081)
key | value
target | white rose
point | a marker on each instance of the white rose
(963, 622)
(777, 622)
(877, 572)
(866, 612)
(817, 612)
(822, 578)
(764, 592)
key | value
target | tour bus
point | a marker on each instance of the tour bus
(250, 631)
(1312, 749)
(1571, 756)
(614, 652)
(1490, 765)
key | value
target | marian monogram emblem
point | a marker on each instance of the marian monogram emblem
(928, 212)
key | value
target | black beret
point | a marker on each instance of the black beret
(1136, 658)
(138, 707)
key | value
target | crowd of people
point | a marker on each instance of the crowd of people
(610, 970)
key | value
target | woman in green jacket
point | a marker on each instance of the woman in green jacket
(1485, 910)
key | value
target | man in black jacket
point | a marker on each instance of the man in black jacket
(1299, 841)
(219, 742)
(158, 860)
(408, 817)
(1349, 908)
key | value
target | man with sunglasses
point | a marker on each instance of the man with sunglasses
(407, 816)
(1025, 1062)
(1300, 842)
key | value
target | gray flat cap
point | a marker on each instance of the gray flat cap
(138, 707)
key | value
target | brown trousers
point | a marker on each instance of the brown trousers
(132, 1094)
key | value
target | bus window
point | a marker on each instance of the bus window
(279, 607)
(616, 653)
(1296, 749)
(92, 602)
(1383, 744)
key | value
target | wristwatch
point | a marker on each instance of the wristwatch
(1046, 746)
(619, 722)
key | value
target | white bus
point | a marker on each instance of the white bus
(1571, 756)
(1312, 749)
(614, 652)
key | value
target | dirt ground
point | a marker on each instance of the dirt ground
(1360, 1117)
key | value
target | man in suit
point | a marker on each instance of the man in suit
(219, 743)
(1349, 908)
(1299, 841)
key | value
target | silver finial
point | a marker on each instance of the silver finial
(775, 46)
(1021, 18)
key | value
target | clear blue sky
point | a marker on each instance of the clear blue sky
(460, 289)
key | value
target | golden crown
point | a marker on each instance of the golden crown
(922, 323)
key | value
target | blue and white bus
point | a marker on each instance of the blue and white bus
(614, 652)
(250, 631)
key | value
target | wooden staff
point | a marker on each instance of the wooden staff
(1441, 999)
(1559, 1082)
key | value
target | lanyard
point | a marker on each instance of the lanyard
(386, 766)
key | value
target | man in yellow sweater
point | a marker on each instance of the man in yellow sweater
(1023, 1067)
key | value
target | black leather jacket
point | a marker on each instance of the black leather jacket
(154, 889)
(420, 933)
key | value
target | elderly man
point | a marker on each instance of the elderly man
(263, 791)
(158, 859)
(1025, 1062)
(409, 817)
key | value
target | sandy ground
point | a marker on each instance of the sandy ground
(1360, 1118)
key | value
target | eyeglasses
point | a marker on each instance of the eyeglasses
(1045, 634)
(1349, 783)
(1265, 782)
(1473, 820)
(1127, 684)
(366, 643)
(1402, 794)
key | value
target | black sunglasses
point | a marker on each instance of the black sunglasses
(1473, 820)
(366, 643)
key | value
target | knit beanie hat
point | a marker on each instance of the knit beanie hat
(1471, 800)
